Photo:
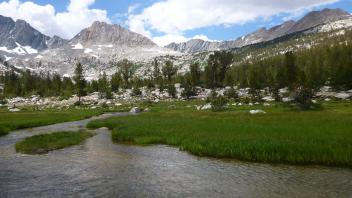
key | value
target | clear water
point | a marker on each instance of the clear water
(99, 168)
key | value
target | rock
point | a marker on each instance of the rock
(135, 110)
(269, 99)
(206, 107)
(343, 95)
(253, 112)
(14, 110)
(283, 91)
(147, 110)
(288, 99)
(267, 105)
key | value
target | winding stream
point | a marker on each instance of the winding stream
(100, 168)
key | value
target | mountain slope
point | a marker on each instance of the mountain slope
(18, 38)
(97, 47)
(103, 33)
(311, 20)
(316, 18)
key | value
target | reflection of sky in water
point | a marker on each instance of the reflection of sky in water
(100, 168)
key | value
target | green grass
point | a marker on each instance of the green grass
(42, 144)
(280, 136)
(20, 120)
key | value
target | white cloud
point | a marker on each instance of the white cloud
(174, 17)
(44, 17)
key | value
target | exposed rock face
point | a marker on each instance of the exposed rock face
(102, 33)
(194, 45)
(19, 39)
(311, 20)
(20, 33)
(56, 42)
(315, 18)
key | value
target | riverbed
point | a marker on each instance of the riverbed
(100, 168)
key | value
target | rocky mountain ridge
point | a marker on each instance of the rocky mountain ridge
(309, 21)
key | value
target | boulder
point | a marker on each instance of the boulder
(14, 110)
(135, 110)
(258, 111)
(343, 95)
(206, 107)
(269, 99)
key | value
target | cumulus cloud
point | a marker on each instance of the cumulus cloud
(45, 18)
(174, 17)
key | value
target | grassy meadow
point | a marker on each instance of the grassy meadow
(42, 144)
(283, 135)
(26, 119)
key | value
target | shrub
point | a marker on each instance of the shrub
(3, 101)
(232, 94)
(136, 92)
(104, 105)
(276, 95)
(218, 103)
(78, 103)
(171, 90)
(303, 98)
(188, 92)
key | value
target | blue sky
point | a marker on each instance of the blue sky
(164, 21)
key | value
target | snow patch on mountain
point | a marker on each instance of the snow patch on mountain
(88, 50)
(20, 50)
(78, 46)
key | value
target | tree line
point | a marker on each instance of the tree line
(312, 68)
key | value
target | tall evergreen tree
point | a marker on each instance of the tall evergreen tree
(195, 74)
(80, 82)
(126, 70)
(169, 71)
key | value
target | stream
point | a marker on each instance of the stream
(100, 168)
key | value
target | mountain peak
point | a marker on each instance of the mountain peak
(104, 33)
(316, 18)
(20, 34)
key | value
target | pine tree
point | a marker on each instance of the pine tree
(289, 63)
(80, 82)
(169, 71)
(156, 72)
(195, 74)
(104, 87)
(115, 82)
(126, 71)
